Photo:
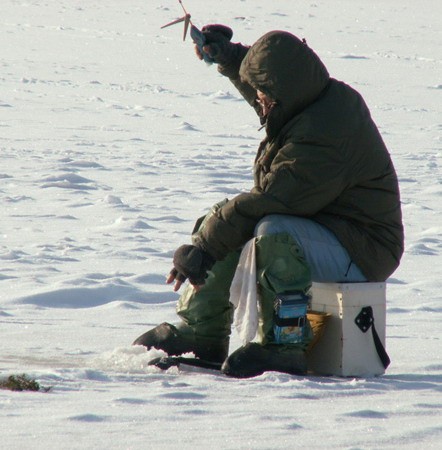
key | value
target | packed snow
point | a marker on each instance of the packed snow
(114, 138)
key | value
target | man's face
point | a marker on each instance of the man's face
(266, 103)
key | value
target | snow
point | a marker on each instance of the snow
(114, 138)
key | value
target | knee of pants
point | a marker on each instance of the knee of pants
(280, 264)
(268, 225)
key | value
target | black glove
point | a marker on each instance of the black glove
(217, 39)
(191, 262)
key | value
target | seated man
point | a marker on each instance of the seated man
(325, 205)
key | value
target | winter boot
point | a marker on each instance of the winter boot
(176, 340)
(254, 359)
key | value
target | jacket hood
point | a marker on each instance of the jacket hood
(286, 70)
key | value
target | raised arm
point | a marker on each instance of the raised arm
(228, 56)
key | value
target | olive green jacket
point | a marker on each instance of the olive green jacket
(323, 158)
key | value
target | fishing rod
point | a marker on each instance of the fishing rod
(197, 36)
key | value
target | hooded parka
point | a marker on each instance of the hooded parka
(323, 158)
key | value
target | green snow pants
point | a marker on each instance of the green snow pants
(281, 268)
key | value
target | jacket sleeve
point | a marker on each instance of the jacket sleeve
(232, 72)
(299, 182)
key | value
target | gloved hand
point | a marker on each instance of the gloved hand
(218, 45)
(190, 262)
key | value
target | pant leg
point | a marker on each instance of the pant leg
(327, 258)
(208, 311)
(280, 269)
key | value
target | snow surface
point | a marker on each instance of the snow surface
(114, 138)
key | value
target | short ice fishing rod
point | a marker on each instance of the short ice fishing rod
(197, 36)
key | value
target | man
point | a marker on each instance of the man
(325, 205)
